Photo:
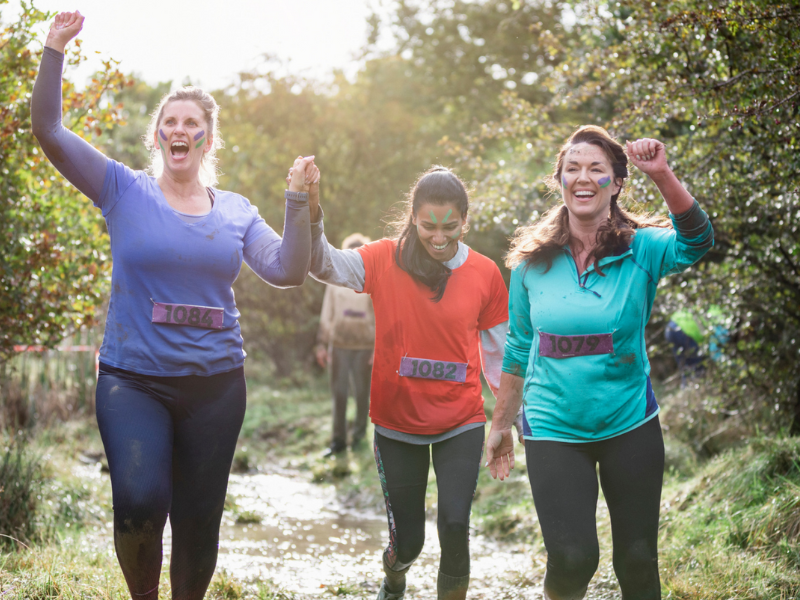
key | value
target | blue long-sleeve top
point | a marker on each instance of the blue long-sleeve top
(578, 338)
(160, 255)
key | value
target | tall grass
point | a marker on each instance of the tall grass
(20, 487)
(37, 387)
(734, 530)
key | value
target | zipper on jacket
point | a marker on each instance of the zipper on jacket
(586, 275)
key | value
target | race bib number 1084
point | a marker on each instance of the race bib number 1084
(207, 317)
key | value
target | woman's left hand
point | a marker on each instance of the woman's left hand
(649, 156)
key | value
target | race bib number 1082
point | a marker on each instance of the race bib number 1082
(433, 369)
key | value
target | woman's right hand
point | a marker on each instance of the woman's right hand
(499, 455)
(64, 27)
(311, 179)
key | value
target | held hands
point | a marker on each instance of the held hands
(65, 26)
(304, 176)
(649, 156)
(499, 455)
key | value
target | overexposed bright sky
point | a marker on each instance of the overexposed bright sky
(209, 41)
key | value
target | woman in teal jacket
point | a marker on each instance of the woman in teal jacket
(582, 287)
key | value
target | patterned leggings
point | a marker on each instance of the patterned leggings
(403, 471)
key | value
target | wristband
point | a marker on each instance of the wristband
(299, 196)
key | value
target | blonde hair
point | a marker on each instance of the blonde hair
(540, 242)
(208, 167)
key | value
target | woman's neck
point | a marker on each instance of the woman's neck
(187, 196)
(584, 232)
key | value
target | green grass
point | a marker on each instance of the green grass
(733, 531)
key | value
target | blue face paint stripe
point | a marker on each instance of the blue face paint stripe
(161, 133)
(199, 135)
(604, 182)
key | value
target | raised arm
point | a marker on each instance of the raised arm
(650, 157)
(342, 268)
(76, 159)
(283, 262)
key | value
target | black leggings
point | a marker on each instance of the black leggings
(169, 442)
(403, 471)
(564, 483)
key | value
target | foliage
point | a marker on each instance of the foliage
(54, 261)
(720, 84)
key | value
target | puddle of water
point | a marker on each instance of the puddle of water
(306, 543)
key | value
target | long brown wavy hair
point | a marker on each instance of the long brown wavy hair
(438, 186)
(539, 243)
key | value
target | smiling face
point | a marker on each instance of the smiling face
(183, 137)
(439, 228)
(587, 182)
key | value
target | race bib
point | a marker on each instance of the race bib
(207, 317)
(568, 346)
(433, 369)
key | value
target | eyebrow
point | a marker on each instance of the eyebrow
(597, 162)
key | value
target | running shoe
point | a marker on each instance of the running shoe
(384, 594)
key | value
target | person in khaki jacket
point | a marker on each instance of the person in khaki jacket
(346, 340)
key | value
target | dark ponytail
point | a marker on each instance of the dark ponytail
(438, 186)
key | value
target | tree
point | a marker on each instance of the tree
(54, 263)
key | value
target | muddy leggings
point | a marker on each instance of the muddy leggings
(564, 483)
(403, 472)
(169, 442)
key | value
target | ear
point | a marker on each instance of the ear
(617, 185)
(209, 143)
(413, 219)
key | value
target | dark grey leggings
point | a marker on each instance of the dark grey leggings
(170, 442)
(344, 363)
(563, 479)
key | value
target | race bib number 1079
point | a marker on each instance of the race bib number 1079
(568, 346)
(207, 317)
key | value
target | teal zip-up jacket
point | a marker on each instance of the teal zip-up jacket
(579, 339)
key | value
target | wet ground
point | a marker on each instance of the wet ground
(309, 544)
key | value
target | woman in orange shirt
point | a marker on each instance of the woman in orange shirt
(441, 309)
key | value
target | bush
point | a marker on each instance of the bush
(20, 486)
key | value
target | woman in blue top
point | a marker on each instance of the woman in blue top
(582, 287)
(171, 390)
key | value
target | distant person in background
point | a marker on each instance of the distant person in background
(696, 337)
(346, 340)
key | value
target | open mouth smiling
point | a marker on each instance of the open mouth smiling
(179, 149)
